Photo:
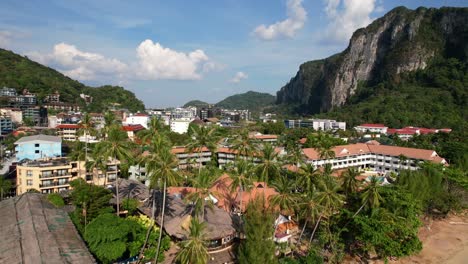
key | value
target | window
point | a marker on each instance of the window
(29, 173)
(36, 151)
(29, 182)
(36, 145)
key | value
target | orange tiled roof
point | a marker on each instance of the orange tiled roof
(179, 150)
(361, 148)
(265, 136)
(75, 126)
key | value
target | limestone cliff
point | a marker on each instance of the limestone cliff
(403, 40)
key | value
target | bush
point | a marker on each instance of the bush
(55, 199)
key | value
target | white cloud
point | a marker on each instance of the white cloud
(5, 38)
(153, 62)
(238, 77)
(346, 16)
(157, 62)
(286, 28)
(80, 65)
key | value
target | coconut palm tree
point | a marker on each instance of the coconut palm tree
(202, 136)
(160, 167)
(202, 196)
(115, 147)
(79, 153)
(155, 128)
(109, 121)
(329, 199)
(309, 210)
(241, 176)
(309, 177)
(269, 167)
(243, 144)
(193, 250)
(350, 183)
(371, 193)
(286, 201)
(86, 129)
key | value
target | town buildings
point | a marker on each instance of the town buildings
(6, 125)
(316, 124)
(38, 147)
(137, 119)
(180, 125)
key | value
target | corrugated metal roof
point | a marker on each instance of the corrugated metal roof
(41, 137)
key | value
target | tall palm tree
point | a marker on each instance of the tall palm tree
(371, 194)
(309, 177)
(202, 136)
(193, 250)
(309, 210)
(241, 176)
(202, 196)
(116, 147)
(243, 145)
(350, 183)
(269, 167)
(155, 128)
(78, 152)
(329, 199)
(286, 201)
(109, 121)
(86, 129)
(160, 167)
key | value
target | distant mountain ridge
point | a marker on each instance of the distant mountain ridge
(21, 73)
(253, 101)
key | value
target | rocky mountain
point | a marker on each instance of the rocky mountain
(402, 41)
(21, 73)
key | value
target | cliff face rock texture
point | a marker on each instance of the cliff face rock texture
(401, 41)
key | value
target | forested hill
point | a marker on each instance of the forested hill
(22, 73)
(253, 101)
(196, 103)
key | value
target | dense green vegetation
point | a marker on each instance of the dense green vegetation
(252, 101)
(21, 73)
(434, 97)
(196, 103)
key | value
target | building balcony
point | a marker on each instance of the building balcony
(54, 184)
(55, 175)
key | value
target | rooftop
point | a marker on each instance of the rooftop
(45, 162)
(373, 125)
(44, 138)
(34, 231)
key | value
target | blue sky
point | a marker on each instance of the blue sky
(170, 52)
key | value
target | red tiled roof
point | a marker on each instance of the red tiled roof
(75, 126)
(302, 140)
(265, 137)
(136, 127)
(373, 125)
(140, 114)
(178, 150)
(360, 148)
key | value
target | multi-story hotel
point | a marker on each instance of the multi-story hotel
(68, 131)
(54, 175)
(378, 157)
(193, 159)
(46, 175)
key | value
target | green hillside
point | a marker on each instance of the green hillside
(196, 103)
(250, 100)
(21, 73)
(434, 97)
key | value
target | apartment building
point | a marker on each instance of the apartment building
(46, 175)
(6, 125)
(138, 119)
(191, 159)
(316, 124)
(68, 132)
(98, 176)
(132, 130)
(378, 157)
(180, 125)
(372, 128)
(37, 147)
